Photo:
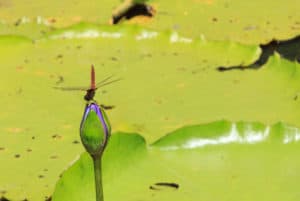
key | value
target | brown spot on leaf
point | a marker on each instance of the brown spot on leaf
(139, 127)
(146, 55)
(60, 80)
(181, 69)
(20, 68)
(14, 130)
(159, 101)
(295, 97)
(59, 56)
(294, 27)
(52, 20)
(214, 19)
(19, 91)
(114, 58)
(7, 4)
(2, 192)
(236, 81)
(54, 157)
(56, 136)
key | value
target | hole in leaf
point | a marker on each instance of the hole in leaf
(17, 155)
(4, 199)
(159, 185)
(172, 185)
(130, 10)
(288, 49)
(41, 176)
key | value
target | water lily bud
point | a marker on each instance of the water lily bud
(94, 129)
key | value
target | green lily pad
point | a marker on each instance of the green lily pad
(247, 22)
(169, 81)
(220, 160)
(125, 149)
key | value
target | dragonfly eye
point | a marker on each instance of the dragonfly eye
(90, 93)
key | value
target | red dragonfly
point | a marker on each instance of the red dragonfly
(90, 92)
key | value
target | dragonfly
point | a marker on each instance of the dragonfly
(91, 91)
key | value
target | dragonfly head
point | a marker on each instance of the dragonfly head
(90, 93)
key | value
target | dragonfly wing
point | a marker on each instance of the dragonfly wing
(107, 82)
(104, 80)
(71, 88)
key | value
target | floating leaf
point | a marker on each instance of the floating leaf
(183, 166)
(169, 81)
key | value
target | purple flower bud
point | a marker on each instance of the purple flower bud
(94, 129)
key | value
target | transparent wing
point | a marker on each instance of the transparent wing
(107, 81)
(104, 80)
(71, 88)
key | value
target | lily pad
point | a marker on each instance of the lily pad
(250, 22)
(246, 161)
(169, 81)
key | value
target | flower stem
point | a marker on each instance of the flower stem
(98, 177)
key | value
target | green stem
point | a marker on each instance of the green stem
(98, 177)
